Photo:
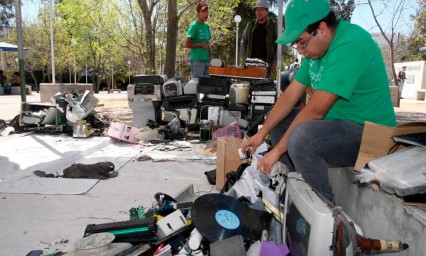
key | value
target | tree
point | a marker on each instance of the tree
(389, 33)
(172, 30)
(7, 13)
(147, 12)
(418, 35)
(93, 24)
(342, 9)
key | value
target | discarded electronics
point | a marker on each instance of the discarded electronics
(173, 87)
(146, 85)
(191, 86)
(82, 129)
(66, 110)
(39, 114)
(142, 104)
(239, 92)
(80, 106)
(263, 92)
(123, 132)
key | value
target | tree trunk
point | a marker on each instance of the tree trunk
(35, 81)
(149, 34)
(172, 31)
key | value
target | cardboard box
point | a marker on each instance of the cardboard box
(227, 158)
(377, 140)
(123, 132)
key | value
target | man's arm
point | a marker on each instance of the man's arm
(190, 44)
(281, 109)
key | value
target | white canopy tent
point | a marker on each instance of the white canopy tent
(6, 47)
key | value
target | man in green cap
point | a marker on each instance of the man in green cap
(344, 67)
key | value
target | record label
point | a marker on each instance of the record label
(227, 219)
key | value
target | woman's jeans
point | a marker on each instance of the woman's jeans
(314, 145)
(199, 68)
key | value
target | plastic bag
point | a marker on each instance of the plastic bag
(403, 172)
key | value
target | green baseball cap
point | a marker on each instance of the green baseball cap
(299, 15)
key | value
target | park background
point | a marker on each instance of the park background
(107, 42)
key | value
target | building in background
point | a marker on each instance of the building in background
(415, 85)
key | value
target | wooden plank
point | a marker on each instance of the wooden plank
(249, 72)
(274, 210)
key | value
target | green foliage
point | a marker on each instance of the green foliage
(418, 36)
(343, 8)
(107, 34)
(7, 13)
(93, 29)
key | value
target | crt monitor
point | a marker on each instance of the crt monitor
(309, 221)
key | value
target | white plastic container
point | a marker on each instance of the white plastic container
(195, 239)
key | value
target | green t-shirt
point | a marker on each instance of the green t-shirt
(199, 32)
(353, 69)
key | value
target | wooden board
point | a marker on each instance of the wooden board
(249, 72)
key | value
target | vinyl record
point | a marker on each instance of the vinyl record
(218, 217)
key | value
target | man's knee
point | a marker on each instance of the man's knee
(299, 137)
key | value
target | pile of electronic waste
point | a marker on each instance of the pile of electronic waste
(200, 105)
(68, 112)
(177, 109)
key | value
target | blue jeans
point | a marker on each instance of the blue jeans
(199, 68)
(314, 145)
(400, 87)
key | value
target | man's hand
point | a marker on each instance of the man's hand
(266, 163)
(204, 45)
(253, 142)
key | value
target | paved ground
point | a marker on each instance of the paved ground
(41, 221)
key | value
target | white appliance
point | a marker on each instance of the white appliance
(239, 92)
(173, 87)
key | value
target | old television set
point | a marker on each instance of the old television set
(173, 87)
(309, 221)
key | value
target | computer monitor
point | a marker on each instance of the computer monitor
(309, 221)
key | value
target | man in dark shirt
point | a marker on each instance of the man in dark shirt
(258, 40)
